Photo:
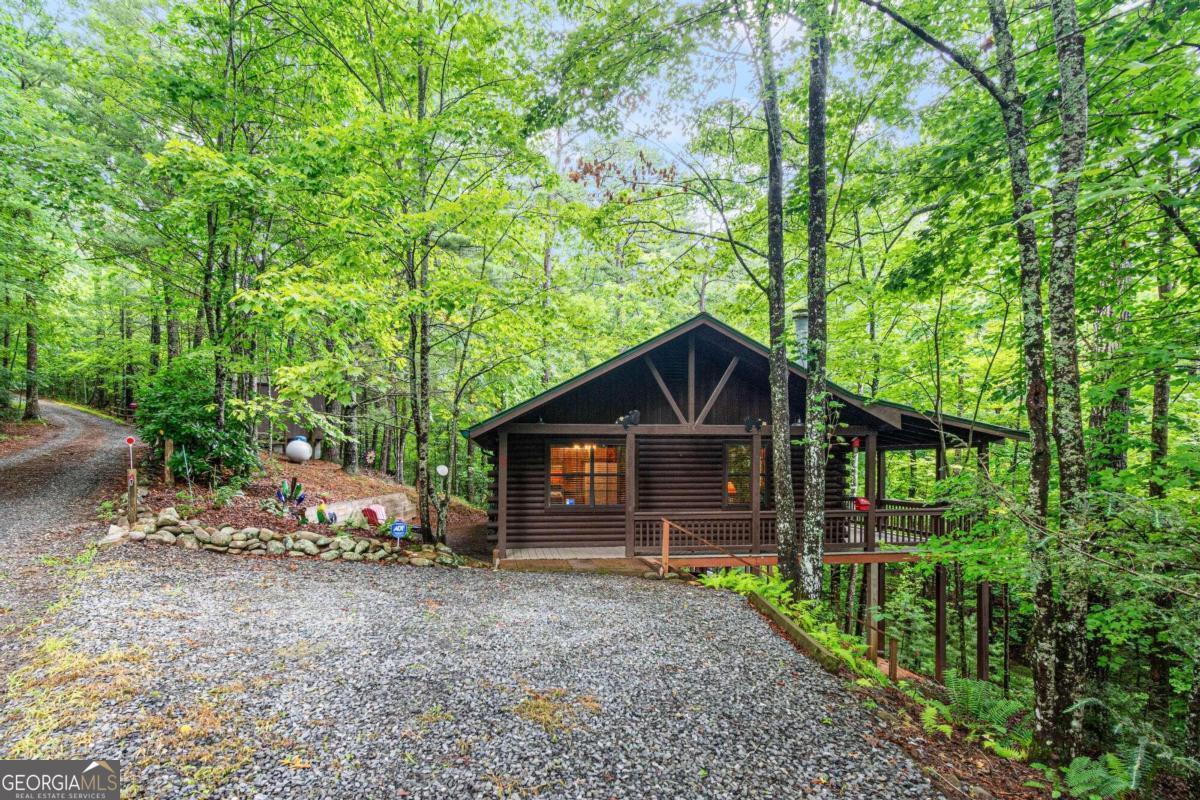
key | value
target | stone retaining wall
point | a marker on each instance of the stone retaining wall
(166, 527)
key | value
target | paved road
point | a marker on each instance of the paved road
(55, 483)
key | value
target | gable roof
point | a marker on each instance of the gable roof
(888, 413)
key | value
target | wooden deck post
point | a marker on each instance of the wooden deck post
(502, 496)
(665, 565)
(939, 623)
(881, 476)
(630, 489)
(870, 617)
(755, 492)
(983, 626)
(881, 594)
(872, 498)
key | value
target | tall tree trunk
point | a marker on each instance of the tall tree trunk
(1109, 419)
(781, 437)
(1159, 411)
(960, 606)
(5, 356)
(815, 404)
(155, 341)
(1192, 747)
(1064, 349)
(351, 448)
(127, 358)
(422, 425)
(31, 359)
(1046, 629)
(172, 314)
(330, 449)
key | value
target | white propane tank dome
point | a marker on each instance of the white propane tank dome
(298, 450)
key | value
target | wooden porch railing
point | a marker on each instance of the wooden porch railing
(845, 530)
(664, 564)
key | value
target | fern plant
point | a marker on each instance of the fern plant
(980, 707)
(1091, 779)
(930, 720)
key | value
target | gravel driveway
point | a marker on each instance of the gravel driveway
(54, 483)
(284, 678)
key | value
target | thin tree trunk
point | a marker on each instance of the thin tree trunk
(155, 341)
(1192, 747)
(960, 606)
(127, 357)
(5, 356)
(32, 411)
(1159, 413)
(1045, 631)
(781, 446)
(350, 449)
(816, 411)
(1007, 642)
(172, 313)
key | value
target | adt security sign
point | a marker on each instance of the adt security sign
(399, 530)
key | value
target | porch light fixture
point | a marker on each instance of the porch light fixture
(753, 423)
(630, 419)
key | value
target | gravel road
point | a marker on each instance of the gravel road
(284, 678)
(54, 483)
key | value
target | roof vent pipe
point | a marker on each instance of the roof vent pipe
(800, 319)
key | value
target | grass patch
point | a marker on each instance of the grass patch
(60, 691)
(201, 740)
(95, 412)
(434, 715)
(555, 710)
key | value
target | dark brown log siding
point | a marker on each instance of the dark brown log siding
(674, 474)
(532, 524)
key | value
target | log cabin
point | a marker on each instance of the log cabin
(672, 435)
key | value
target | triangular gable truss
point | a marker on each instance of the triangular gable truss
(889, 415)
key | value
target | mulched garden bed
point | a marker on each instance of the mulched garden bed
(322, 480)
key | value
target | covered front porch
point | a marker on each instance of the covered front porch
(673, 435)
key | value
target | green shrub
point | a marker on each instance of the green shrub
(178, 403)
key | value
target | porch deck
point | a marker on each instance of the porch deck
(563, 553)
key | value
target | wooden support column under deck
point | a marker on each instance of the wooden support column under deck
(872, 497)
(755, 491)
(881, 475)
(870, 615)
(502, 496)
(983, 626)
(630, 489)
(881, 593)
(939, 623)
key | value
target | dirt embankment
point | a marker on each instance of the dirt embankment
(322, 481)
